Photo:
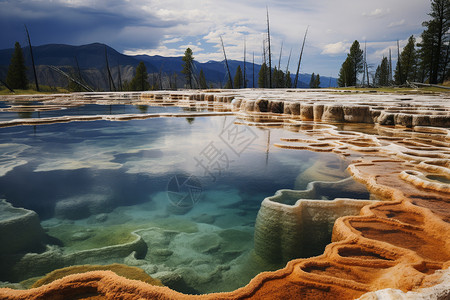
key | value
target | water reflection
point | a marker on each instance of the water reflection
(94, 183)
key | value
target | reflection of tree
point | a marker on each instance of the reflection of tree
(25, 114)
(142, 108)
(190, 120)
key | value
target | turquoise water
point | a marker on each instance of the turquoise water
(191, 187)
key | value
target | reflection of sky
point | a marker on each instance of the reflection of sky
(134, 158)
(88, 109)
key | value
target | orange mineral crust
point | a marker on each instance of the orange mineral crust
(400, 243)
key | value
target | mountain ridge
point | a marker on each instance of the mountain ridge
(92, 64)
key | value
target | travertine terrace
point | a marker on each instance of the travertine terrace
(398, 146)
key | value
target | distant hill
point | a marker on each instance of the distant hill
(92, 63)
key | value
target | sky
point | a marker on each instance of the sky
(168, 27)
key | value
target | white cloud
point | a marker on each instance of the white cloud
(376, 12)
(169, 40)
(397, 23)
(336, 48)
(161, 26)
(161, 50)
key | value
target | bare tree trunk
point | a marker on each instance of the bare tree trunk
(78, 69)
(7, 86)
(32, 60)
(390, 67)
(289, 60)
(110, 79)
(245, 75)
(270, 53)
(279, 59)
(253, 70)
(226, 62)
(87, 88)
(300, 59)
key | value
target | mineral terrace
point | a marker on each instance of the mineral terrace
(394, 246)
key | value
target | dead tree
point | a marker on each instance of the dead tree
(84, 86)
(245, 78)
(253, 70)
(300, 59)
(279, 59)
(270, 53)
(32, 59)
(7, 86)
(110, 79)
(226, 63)
(289, 60)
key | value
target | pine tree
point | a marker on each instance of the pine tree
(434, 40)
(262, 76)
(345, 77)
(357, 59)
(317, 81)
(202, 80)
(312, 81)
(279, 78)
(140, 80)
(382, 73)
(352, 66)
(238, 79)
(16, 77)
(408, 62)
(288, 80)
(188, 60)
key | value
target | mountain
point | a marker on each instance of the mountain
(88, 56)
(92, 64)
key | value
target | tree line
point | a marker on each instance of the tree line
(425, 62)
(267, 76)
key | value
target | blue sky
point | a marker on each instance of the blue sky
(168, 27)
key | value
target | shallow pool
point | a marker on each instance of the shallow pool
(189, 187)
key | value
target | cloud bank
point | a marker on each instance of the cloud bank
(166, 28)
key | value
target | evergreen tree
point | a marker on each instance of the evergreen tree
(357, 58)
(288, 80)
(317, 81)
(238, 79)
(262, 76)
(312, 81)
(281, 80)
(382, 73)
(433, 50)
(202, 80)
(352, 66)
(345, 77)
(408, 62)
(278, 79)
(16, 77)
(140, 80)
(188, 60)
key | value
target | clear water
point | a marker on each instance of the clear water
(92, 183)
(88, 109)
